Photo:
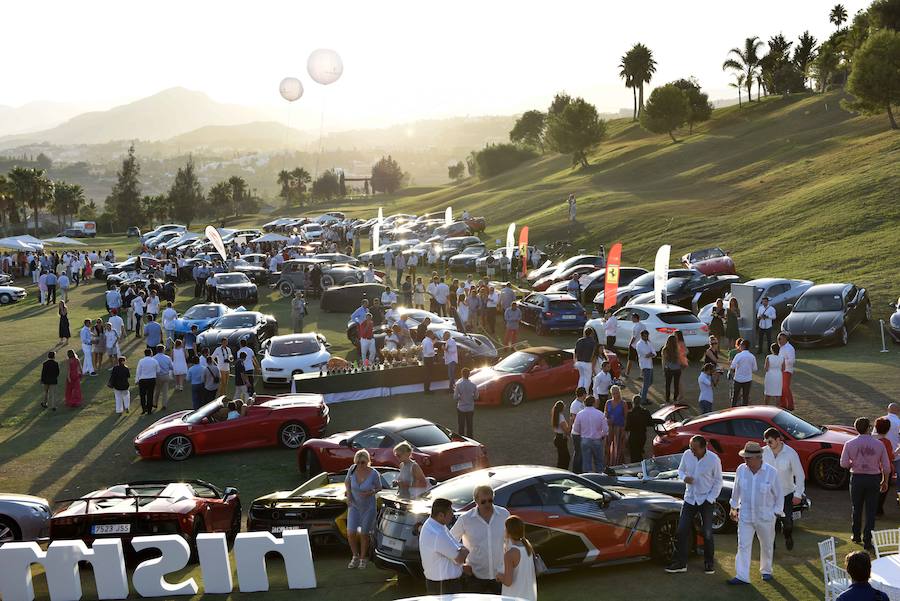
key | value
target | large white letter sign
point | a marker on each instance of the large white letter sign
(61, 566)
(214, 563)
(149, 577)
(250, 550)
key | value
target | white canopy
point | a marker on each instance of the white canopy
(64, 241)
(272, 237)
(16, 243)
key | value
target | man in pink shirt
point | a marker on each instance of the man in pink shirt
(869, 466)
(591, 425)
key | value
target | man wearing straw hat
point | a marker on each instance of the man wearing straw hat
(756, 503)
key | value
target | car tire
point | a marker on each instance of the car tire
(513, 394)
(5, 299)
(845, 336)
(292, 435)
(867, 315)
(286, 289)
(9, 530)
(721, 520)
(664, 539)
(827, 473)
(327, 281)
(310, 464)
(178, 447)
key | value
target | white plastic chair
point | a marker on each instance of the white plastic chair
(836, 579)
(887, 542)
(827, 552)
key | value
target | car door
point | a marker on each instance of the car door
(530, 307)
(370, 440)
(742, 431)
(778, 298)
(852, 308)
(720, 438)
(539, 379)
(563, 376)
(590, 525)
(213, 436)
(624, 327)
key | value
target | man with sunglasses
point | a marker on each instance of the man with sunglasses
(790, 473)
(482, 531)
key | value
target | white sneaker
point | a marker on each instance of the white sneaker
(354, 563)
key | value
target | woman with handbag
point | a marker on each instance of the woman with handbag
(73, 380)
(98, 344)
(561, 429)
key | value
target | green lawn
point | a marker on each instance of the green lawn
(74, 451)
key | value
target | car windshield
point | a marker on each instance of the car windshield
(242, 263)
(657, 466)
(294, 347)
(676, 317)
(312, 227)
(795, 426)
(195, 417)
(427, 435)
(517, 363)
(676, 284)
(473, 250)
(232, 322)
(706, 254)
(816, 303)
(643, 280)
(232, 278)
(201, 312)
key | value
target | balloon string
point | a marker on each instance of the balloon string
(321, 130)
(286, 132)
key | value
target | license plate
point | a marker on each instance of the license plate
(690, 332)
(280, 529)
(797, 515)
(111, 529)
(569, 316)
(392, 543)
(461, 466)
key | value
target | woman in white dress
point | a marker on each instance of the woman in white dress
(419, 294)
(774, 371)
(518, 577)
(411, 482)
(179, 362)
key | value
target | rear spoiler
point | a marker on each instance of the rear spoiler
(135, 498)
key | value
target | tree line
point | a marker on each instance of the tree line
(25, 189)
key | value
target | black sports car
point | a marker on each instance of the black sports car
(465, 261)
(258, 274)
(894, 325)
(233, 287)
(660, 474)
(640, 285)
(826, 314)
(344, 299)
(319, 506)
(690, 292)
(455, 245)
(571, 521)
(252, 326)
(593, 282)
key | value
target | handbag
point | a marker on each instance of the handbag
(215, 377)
(540, 568)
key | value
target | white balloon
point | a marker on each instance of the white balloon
(325, 66)
(290, 89)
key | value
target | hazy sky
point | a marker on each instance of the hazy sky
(403, 60)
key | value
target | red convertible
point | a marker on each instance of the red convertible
(710, 261)
(441, 453)
(288, 420)
(184, 507)
(532, 373)
(727, 430)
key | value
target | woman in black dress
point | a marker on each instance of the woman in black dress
(64, 332)
(717, 323)
(732, 332)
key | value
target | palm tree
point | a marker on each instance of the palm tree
(640, 58)
(301, 179)
(746, 61)
(838, 15)
(284, 180)
(738, 83)
(805, 54)
(238, 186)
(219, 197)
(626, 73)
(7, 201)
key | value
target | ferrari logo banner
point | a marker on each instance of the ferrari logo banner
(611, 287)
(523, 248)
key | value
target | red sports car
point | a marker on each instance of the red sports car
(288, 420)
(185, 507)
(532, 373)
(710, 261)
(441, 453)
(727, 430)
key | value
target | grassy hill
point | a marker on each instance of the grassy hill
(793, 187)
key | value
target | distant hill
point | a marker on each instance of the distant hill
(36, 116)
(260, 136)
(164, 115)
(469, 133)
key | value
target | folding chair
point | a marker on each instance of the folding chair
(887, 542)
(836, 580)
(827, 552)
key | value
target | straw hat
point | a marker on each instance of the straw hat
(751, 449)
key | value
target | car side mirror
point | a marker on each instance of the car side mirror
(790, 305)
(204, 421)
(603, 502)
(229, 492)
(345, 442)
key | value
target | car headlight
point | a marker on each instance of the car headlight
(830, 331)
(319, 365)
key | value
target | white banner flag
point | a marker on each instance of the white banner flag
(380, 215)
(661, 272)
(448, 216)
(213, 235)
(510, 239)
(376, 235)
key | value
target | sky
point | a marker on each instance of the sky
(403, 60)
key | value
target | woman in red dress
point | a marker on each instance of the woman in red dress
(73, 380)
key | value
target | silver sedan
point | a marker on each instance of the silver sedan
(23, 518)
(781, 293)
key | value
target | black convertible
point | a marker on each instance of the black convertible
(345, 299)
(252, 326)
(660, 474)
(690, 292)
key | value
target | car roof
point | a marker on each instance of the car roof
(229, 273)
(543, 350)
(285, 337)
(657, 309)
(826, 289)
(403, 423)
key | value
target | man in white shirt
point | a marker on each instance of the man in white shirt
(645, 355)
(591, 425)
(602, 382)
(636, 328)
(893, 416)
(482, 531)
(369, 275)
(701, 470)
(153, 304)
(359, 315)
(169, 315)
(765, 316)
(610, 327)
(442, 555)
(388, 264)
(742, 367)
(756, 502)
(117, 323)
(388, 297)
(222, 358)
(451, 358)
(86, 336)
(790, 475)
(146, 372)
(786, 350)
(574, 409)
(490, 309)
(428, 354)
(442, 295)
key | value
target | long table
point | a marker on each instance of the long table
(338, 388)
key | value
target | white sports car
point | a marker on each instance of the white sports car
(284, 356)
(661, 321)
(11, 294)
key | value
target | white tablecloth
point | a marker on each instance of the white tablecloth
(886, 576)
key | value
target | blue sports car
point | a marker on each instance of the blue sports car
(201, 316)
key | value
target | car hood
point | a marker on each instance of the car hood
(217, 334)
(329, 493)
(647, 499)
(835, 434)
(235, 286)
(812, 322)
(297, 360)
(173, 419)
(333, 440)
(485, 375)
(16, 498)
(183, 326)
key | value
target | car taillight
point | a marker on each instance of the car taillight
(704, 328)
(548, 313)
(667, 330)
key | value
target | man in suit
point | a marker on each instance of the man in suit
(49, 380)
